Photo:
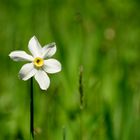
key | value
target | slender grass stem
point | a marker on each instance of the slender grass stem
(81, 101)
(64, 133)
(81, 88)
(31, 110)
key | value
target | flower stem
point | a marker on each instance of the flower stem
(31, 110)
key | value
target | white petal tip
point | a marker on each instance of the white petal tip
(23, 78)
(20, 76)
(12, 56)
(44, 89)
(34, 37)
(53, 44)
(9, 55)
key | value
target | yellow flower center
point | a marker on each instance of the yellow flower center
(38, 62)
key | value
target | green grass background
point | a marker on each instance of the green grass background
(101, 36)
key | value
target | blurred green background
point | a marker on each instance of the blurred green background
(102, 37)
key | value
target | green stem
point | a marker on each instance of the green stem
(31, 110)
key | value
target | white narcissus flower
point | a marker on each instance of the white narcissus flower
(37, 66)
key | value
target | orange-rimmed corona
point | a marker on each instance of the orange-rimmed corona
(38, 62)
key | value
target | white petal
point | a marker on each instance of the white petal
(20, 56)
(27, 71)
(49, 50)
(42, 79)
(34, 47)
(52, 66)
